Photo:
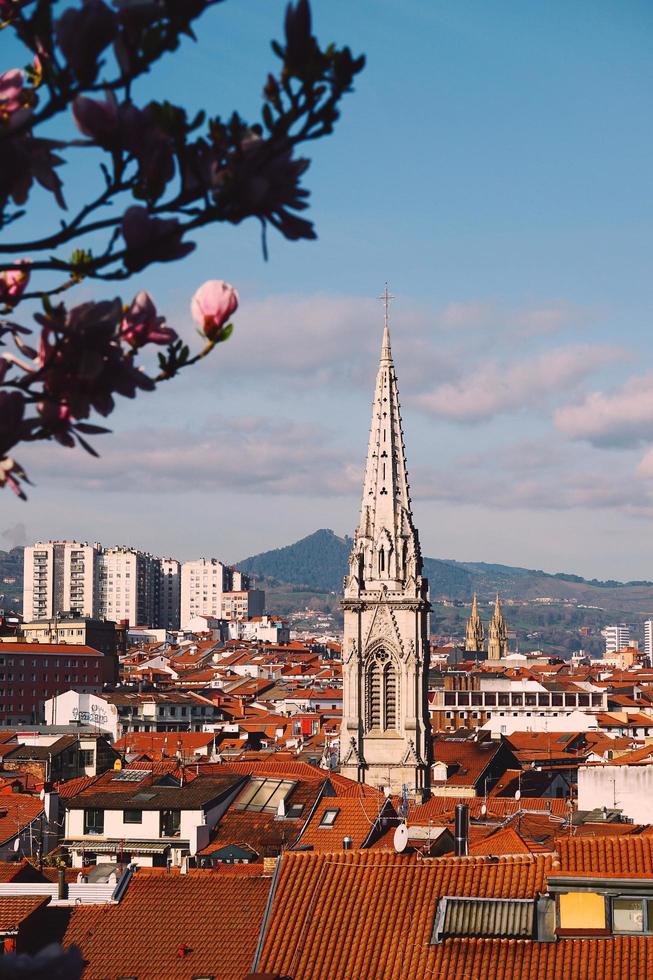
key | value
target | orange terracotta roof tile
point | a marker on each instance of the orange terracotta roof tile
(14, 909)
(370, 913)
(613, 855)
(174, 927)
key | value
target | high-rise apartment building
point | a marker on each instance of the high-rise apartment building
(243, 603)
(648, 639)
(202, 583)
(60, 576)
(129, 583)
(169, 593)
(616, 637)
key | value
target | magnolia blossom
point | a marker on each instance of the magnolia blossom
(141, 325)
(151, 239)
(13, 283)
(212, 305)
(15, 100)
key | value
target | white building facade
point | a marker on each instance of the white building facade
(616, 637)
(60, 576)
(203, 583)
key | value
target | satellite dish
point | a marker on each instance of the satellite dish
(483, 810)
(401, 838)
(518, 795)
(42, 795)
(17, 844)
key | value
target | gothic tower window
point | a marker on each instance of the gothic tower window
(374, 696)
(381, 560)
(381, 694)
(390, 695)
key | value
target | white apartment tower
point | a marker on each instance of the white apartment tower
(385, 736)
(648, 640)
(202, 583)
(129, 586)
(60, 576)
(616, 637)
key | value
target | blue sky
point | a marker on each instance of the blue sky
(494, 164)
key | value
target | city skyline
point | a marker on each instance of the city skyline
(520, 327)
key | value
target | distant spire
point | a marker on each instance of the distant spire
(474, 634)
(498, 634)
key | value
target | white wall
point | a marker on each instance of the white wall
(89, 709)
(627, 788)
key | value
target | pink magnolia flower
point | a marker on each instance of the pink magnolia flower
(97, 118)
(13, 283)
(13, 98)
(141, 325)
(212, 305)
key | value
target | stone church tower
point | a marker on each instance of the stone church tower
(474, 634)
(497, 646)
(385, 737)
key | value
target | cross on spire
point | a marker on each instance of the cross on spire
(386, 298)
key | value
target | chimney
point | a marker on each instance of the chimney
(461, 830)
(346, 843)
(62, 887)
(269, 864)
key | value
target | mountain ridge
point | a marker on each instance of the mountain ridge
(319, 561)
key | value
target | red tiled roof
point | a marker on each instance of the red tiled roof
(14, 909)
(356, 818)
(615, 855)
(370, 913)
(166, 742)
(174, 927)
(16, 812)
(69, 649)
(504, 841)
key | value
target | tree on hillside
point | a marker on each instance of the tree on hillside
(161, 175)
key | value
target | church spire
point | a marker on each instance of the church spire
(385, 735)
(474, 634)
(386, 544)
(498, 634)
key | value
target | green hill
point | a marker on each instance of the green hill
(319, 562)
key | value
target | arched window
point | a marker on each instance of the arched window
(390, 695)
(374, 696)
(381, 697)
(381, 560)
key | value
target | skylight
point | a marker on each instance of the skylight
(130, 775)
(264, 795)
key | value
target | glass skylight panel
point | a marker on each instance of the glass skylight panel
(130, 775)
(265, 794)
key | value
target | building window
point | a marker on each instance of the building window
(94, 822)
(86, 757)
(133, 816)
(329, 818)
(170, 823)
(632, 915)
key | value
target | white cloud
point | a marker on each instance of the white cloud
(243, 453)
(621, 418)
(494, 386)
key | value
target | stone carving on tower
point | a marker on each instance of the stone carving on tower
(386, 734)
(497, 646)
(474, 634)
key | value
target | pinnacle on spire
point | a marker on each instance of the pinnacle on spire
(386, 351)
